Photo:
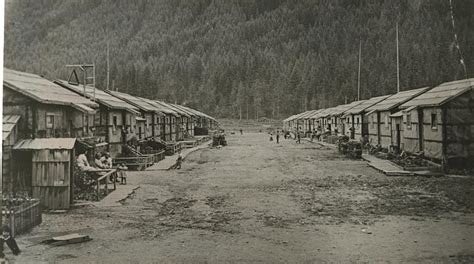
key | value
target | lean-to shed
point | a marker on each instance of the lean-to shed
(44, 167)
(358, 125)
(379, 121)
(440, 122)
(116, 120)
(9, 138)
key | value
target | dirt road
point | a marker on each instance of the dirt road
(256, 201)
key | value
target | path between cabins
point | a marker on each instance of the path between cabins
(256, 201)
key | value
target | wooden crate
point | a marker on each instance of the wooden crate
(22, 218)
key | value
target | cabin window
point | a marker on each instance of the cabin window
(434, 122)
(50, 121)
(409, 121)
(357, 121)
(372, 123)
(386, 121)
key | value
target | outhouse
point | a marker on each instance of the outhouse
(44, 167)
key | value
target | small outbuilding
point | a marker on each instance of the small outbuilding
(44, 167)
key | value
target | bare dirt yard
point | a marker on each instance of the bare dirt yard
(257, 201)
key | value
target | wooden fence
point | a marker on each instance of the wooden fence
(22, 217)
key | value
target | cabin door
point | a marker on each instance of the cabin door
(22, 170)
(398, 136)
(420, 128)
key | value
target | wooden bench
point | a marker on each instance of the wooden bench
(188, 143)
(110, 174)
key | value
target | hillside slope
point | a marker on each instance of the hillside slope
(255, 57)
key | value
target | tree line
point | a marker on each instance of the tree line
(244, 58)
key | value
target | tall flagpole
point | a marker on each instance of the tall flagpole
(358, 78)
(398, 64)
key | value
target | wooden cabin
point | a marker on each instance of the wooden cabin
(9, 138)
(180, 121)
(338, 120)
(148, 123)
(355, 118)
(440, 123)
(379, 120)
(46, 109)
(170, 121)
(116, 120)
(198, 118)
(188, 125)
(44, 168)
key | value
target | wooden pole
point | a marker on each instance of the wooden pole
(84, 69)
(93, 78)
(358, 77)
(398, 64)
(108, 66)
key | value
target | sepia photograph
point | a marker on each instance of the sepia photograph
(237, 131)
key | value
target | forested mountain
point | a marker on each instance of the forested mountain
(267, 58)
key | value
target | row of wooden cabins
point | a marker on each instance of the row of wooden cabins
(45, 122)
(438, 121)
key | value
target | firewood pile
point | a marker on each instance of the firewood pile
(350, 148)
(218, 139)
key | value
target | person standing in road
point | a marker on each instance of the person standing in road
(278, 136)
(179, 160)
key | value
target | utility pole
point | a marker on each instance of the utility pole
(108, 66)
(358, 78)
(398, 64)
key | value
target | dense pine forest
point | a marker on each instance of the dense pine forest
(248, 58)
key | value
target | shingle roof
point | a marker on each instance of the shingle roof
(166, 106)
(196, 112)
(366, 104)
(308, 114)
(176, 109)
(162, 108)
(43, 90)
(299, 115)
(45, 143)
(135, 101)
(316, 113)
(343, 108)
(441, 94)
(397, 99)
(190, 113)
(100, 96)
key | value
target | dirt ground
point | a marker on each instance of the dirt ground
(256, 201)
